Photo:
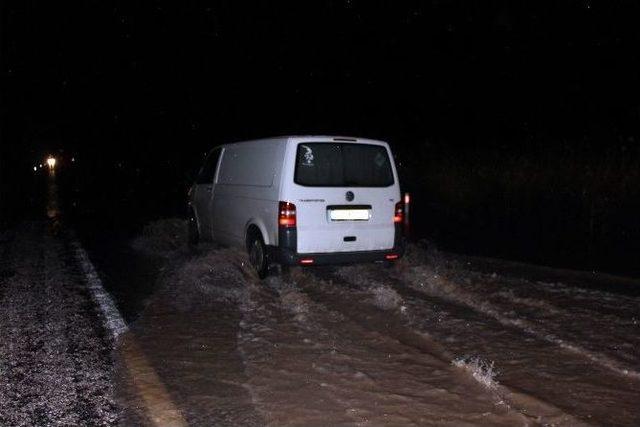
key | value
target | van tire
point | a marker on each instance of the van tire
(193, 235)
(257, 253)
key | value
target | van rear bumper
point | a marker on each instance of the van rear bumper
(286, 252)
(289, 257)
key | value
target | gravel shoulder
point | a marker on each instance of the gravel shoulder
(56, 364)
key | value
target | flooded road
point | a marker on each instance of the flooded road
(429, 342)
(236, 351)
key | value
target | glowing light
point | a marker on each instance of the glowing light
(51, 162)
(35, 168)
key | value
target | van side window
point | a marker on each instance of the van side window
(208, 171)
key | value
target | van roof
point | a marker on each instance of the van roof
(315, 138)
(331, 138)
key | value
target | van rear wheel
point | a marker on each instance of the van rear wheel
(258, 255)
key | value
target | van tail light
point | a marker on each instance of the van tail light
(286, 214)
(306, 261)
(398, 216)
(391, 257)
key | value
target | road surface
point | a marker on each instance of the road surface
(437, 340)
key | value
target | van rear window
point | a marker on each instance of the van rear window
(342, 165)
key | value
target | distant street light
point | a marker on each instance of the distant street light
(51, 161)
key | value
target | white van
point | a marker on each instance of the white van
(300, 200)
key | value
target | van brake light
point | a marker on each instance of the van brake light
(286, 214)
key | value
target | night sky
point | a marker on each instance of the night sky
(510, 81)
(465, 72)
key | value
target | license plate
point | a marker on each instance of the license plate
(349, 214)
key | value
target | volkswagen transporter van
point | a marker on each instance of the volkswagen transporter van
(300, 200)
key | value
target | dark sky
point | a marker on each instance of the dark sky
(179, 75)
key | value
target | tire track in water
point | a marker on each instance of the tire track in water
(619, 331)
(481, 304)
(327, 289)
(351, 372)
(552, 298)
(530, 367)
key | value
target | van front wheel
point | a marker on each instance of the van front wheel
(258, 255)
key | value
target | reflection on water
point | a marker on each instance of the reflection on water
(54, 212)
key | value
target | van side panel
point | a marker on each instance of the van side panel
(249, 164)
(246, 191)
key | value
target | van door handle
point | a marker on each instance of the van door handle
(208, 188)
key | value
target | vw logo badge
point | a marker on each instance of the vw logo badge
(349, 196)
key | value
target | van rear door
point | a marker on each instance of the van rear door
(345, 194)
